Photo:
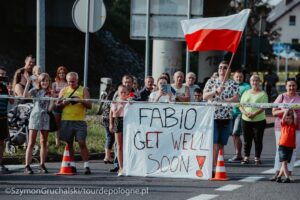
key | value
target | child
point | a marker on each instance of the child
(198, 94)
(287, 143)
(36, 71)
(116, 124)
(39, 120)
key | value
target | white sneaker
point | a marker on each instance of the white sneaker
(120, 172)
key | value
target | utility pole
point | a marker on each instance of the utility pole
(40, 34)
(245, 41)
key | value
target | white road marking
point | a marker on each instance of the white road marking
(269, 171)
(204, 197)
(229, 187)
(16, 167)
(251, 179)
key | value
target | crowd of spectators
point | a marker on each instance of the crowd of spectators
(30, 82)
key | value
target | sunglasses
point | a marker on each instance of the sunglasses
(291, 79)
(223, 67)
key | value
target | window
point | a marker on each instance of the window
(292, 20)
(288, 1)
(295, 41)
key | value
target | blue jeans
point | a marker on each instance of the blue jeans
(222, 130)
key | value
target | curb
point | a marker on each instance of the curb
(50, 158)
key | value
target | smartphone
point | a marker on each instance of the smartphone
(4, 79)
(166, 88)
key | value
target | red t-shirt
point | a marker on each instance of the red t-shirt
(288, 135)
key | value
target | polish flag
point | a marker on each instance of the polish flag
(215, 33)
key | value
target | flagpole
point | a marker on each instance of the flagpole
(228, 69)
(147, 39)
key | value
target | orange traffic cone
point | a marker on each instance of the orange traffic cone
(220, 174)
(66, 168)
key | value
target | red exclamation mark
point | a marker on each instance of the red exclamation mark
(200, 160)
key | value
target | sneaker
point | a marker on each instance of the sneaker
(273, 178)
(235, 159)
(278, 180)
(87, 171)
(120, 172)
(28, 170)
(287, 180)
(291, 179)
(43, 169)
(116, 169)
(3, 169)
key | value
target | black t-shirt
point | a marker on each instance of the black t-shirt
(144, 94)
(3, 101)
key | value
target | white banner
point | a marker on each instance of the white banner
(168, 140)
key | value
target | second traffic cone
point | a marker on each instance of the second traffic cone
(220, 174)
(66, 168)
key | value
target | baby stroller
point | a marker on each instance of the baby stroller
(18, 120)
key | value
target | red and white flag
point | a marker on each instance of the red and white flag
(215, 33)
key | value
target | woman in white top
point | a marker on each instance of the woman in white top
(162, 95)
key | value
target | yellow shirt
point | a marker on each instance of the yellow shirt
(248, 97)
(73, 112)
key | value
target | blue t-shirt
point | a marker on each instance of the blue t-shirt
(242, 88)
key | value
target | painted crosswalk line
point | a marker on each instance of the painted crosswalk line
(229, 187)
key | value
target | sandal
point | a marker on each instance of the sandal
(106, 161)
(257, 161)
(245, 161)
(43, 169)
(28, 170)
(235, 159)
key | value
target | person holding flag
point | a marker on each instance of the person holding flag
(221, 89)
(218, 33)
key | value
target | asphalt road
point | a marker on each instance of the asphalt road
(246, 182)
